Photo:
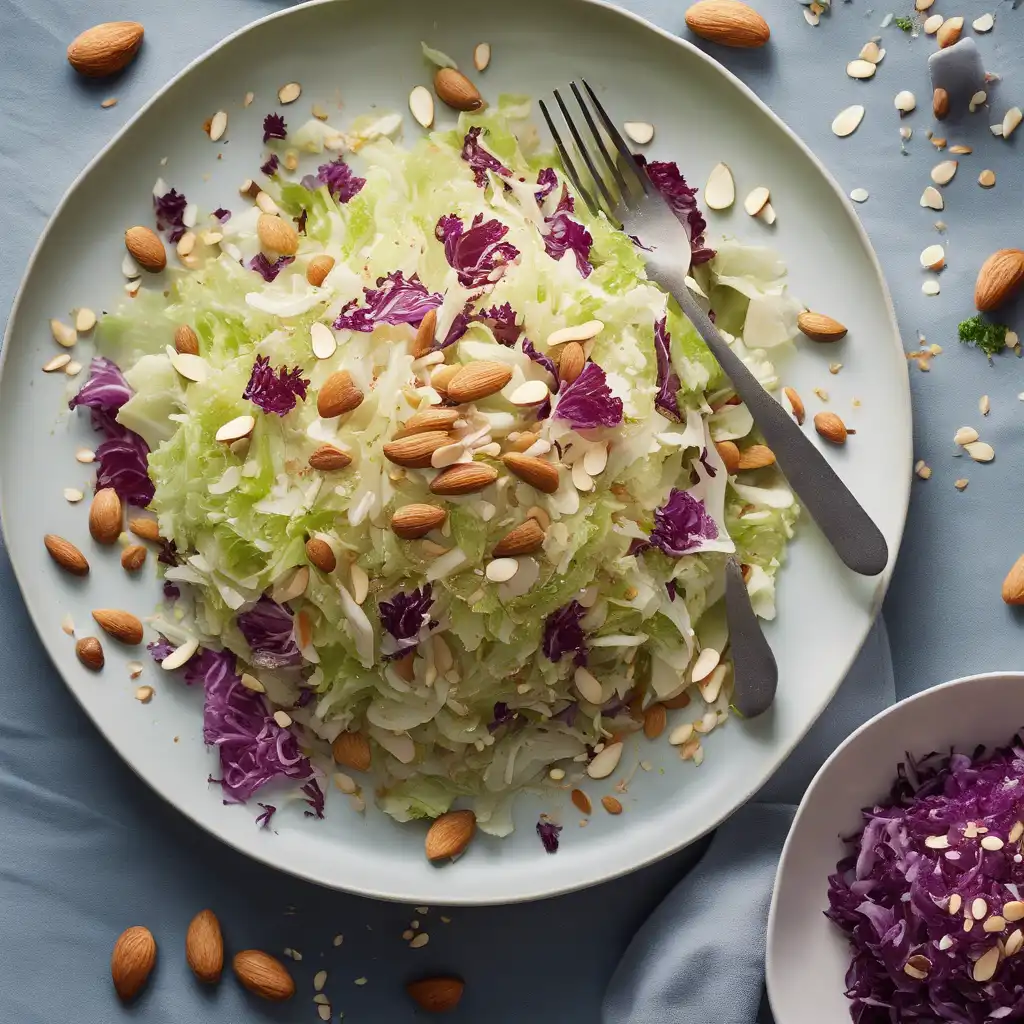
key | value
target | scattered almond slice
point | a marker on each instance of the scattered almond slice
(983, 24)
(996, 130)
(933, 24)
(932, 198)
(943, 173)
(905, 101)
(56, 363)
(85, 456)
(73, 369)
(191, 367)
(960, 150)
(1011, 121)
(63, 333)
(481, 56)
(987, 179)
(977, 100)
(236, 429)
(872, 52)
(965, 435)
(933, 257)
(767, 214)
(322, 340)
(860, 195)
(421, 104)
(930, 287)
(640, 132)
(980, 451)
(289, 93)
(922, 5)
(860, 69)
(144, 694)
(847, 121)
(218, 125)
(110, 101)
(720, 190)
(85, 320)
(813, 18)
(984, 405)
(72, 495)
(756, 200)
(533, 392)
(501, 570)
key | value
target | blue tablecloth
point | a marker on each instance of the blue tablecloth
(86, 850)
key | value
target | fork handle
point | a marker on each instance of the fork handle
(847, 527)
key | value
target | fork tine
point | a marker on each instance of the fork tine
(624, 189)
(620, 144)
(585, 153)
(567, 164)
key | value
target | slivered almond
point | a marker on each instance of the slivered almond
(321, 554)
(424, 340)
(186, 341)
(757, 456)
(456, 90)
(450, 834)
(536, 472)
(121, 625)
(581, 801)
(90, 652)
(145, 246)
(338, 395)
(327, 458)
(464, 478)
(277, 235)
(433, 418)
(796, 403)
(478, 380)
(655, 720)
(524, 539)
(410, 522)
(415, 450)
(133, 558)
(66, 555)
(571, 361)
(352, 749)
(729, 453)
(318, 269)
(819, 327)
(105, 516)
(830, 427)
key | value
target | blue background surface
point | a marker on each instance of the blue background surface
(85, 848)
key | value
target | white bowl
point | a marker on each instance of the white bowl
(807, 956)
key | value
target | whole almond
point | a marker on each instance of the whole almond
(831, 427)
(133, 557)
(728, 23)
(478, 380)
(277, 235)
(729, 454)
(352, 749)
(105, 49)
(456, 90)
(436, 995)
(536, 472)
(121, 625)
(263, 975)
(949, 32)
(411, 522)
(796, 403)
(999, 279)
(147, 529)
(338, 395)
(940, 104)
(611, 805)
(463, 478)
(66, 555)
(571, 361)
(321, 554)
(146, 248)
(819, 327)
(424, 340)
(90, 652)
(204, 947)
(415, 450)
(524, 539)
(757, 456)
(186, 341)
(581, 801)
(327, 458)
(318, 269)
(1013, 585)
(655, 720)
(450, 834)
(132, 961)
(433, 418)
(105, 516)
(680, 700)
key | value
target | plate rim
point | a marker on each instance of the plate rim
(541, 890)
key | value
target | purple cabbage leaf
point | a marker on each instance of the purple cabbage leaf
(667, 399)
(278, 392)
(563, 634)
(394, 301)
(588, 401)
(682, 200)
(479, 159)
(268, 630)
(681, 524)
(477, 253)
(406, 620)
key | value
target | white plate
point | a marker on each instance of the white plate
(369, 53)
(807, 956)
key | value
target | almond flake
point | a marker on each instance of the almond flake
(250, 682)
(533, 392)
(588, 686)
(596, 459)
(501, 570)
(144, 694)
(859, 195)
(180, 655)
(707, 661)
(481, 56)
(980, 451)
(870, 51)
(1011, 121)
(579, 332)
(85, 455)
(720, 190)
(923, 470)
(965, 435)
(847, 121)
(930, 288)
(236, 429)
(73, 369)
(283, 719)
(110, 101)
(604, 763)
(977, 100)
(767, 214)
(984, 405)
(218, 125)
(63, 334)
(322, 339)
(639, 132)
(129, 267)
(961, 484)
(191, 367)
(942, 174)
(420, 941)
(933, 257)
(937, 842)
(289, 93)
(932, 24)
(987, 179)
(905, 101)
(85, 320)
(266, 204)
(249, 97)
(756, 200)
(56, 363)
(73, 495)
(813, 18)
(860, 69)
(421, 104)
(984, 23)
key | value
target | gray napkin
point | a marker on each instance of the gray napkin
(699, 958)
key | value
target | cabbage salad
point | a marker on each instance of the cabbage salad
(443, 482)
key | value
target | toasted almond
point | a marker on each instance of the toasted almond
(940, 104)
(121, 625)
(146, 248)
(410, 522)
(437, 995)
(456, 90)
(526, 538)
(352, 749)
(757, 456)
(729, 453)
(415, 450)
(321, 554)
(318, 268)
(133, 557)
(728, 23)
(421, 105)
(105, 49)
(433, 418)
(819, 327)
(66, 555)
(481, 56)
(830, 427)
(987, 178)
(655, 720)
(338, 395)
(328, 458)
(571, 360)
(949, 32)
(720, 190)
(536, 472)
(611, 805)
(581, 801)
(204, 947)
(105, 515)
(424, 340)
(237, 429)
(478, 380)
(450, 834)
(289, 92)
(276, 235)
(464, 478)
(796, 403)
(263, 975)
(132, 961)
(999, 279)
(1013, 587)
(640, 132)
(186, 341)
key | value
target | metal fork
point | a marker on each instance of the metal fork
(632, 201)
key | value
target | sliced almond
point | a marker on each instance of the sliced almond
(932, 24)
(983, 24)
(327, 458)
(433, 418)
(847, 121)
(57, 363)
(501, 570)
(640, 132)
(411, 522)
(872, 51)
(819, 327)
(191, 367)
(289, 93)
(756, 201)
(949, 32)
(943, 173)
(860, 69)
(523, 540)
(416, 450)
(720, 190)
(478, 380)
(450, 834)
(352, 750)
(218, 125)
(318, 269)
(830, 427)
(980, 451)
(987, 179)
(534, 471)
(322, 340)
(421, 104)
(757, 456)
(236, 429)
(464, 478)
(338, 395)
(533, 392)
(985, 966)
(63, 334)
(932, 199)
(577, 332)
(905, 101)
(604, 763)
(1011, 121)
(66, 555)
(121, 625)
(933, 257)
